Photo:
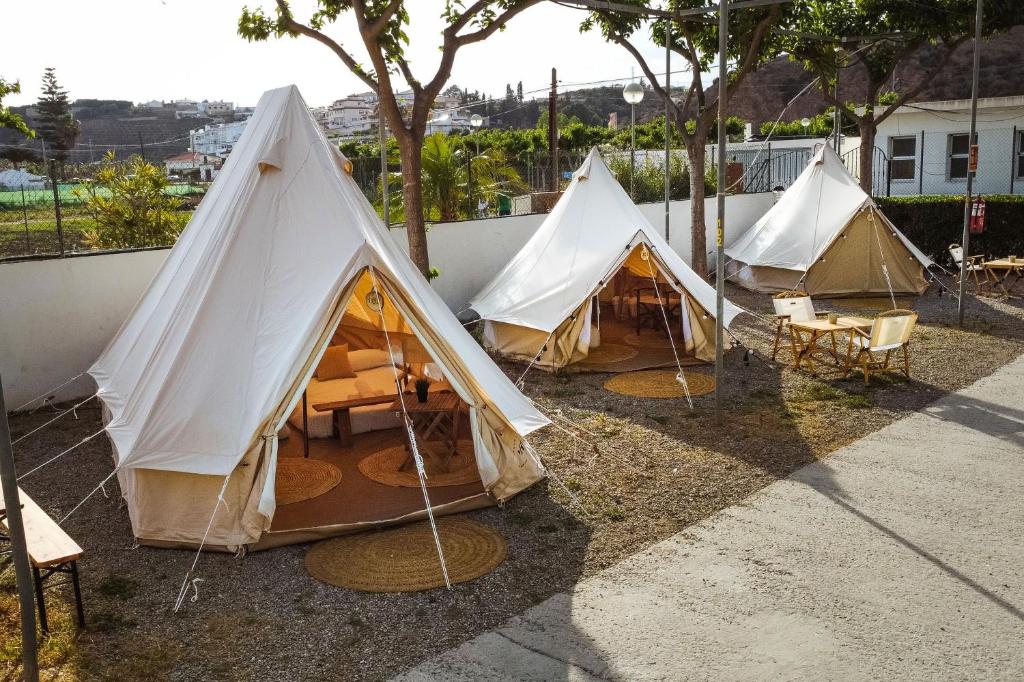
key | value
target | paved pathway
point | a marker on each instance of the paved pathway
(898, 557)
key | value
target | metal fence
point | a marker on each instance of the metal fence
(53, 218)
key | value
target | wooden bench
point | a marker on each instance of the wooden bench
(50, 550)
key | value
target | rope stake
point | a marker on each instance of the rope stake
(43, 426)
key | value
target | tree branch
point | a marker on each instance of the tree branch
(347, 59)
(939, 65)
(677, 113)
(499, 22)
(381, 22)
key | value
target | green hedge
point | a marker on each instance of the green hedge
(935, 222)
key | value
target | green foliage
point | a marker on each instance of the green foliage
(132, 208)
(821, 126)
(7, 118)
(649, 179)
(932, 223)
(450, 187)
(56, 124)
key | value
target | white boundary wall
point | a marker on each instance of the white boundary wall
(57, 315)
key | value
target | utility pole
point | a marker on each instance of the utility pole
(837, 118)
(973, 158)
(553, 130)
(382, 137)
(22, 570)
(723, 73)
(668, 124)
(142, 149)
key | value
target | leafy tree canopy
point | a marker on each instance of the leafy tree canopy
(9, 119)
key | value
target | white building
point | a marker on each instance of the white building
(216, 138)
(196, 165)
(215, 108)
(447, 121)
(350, 115)
(927, 149)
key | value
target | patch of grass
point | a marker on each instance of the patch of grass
(824, 393)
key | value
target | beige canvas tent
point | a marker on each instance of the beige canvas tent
(550, 295)
(201, 383)
(827, 237)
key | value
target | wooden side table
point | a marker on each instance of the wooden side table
(439, 414)
(816, 330)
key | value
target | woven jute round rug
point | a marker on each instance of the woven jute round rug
(608, 353)
(301, 479)
(660, 383)
(384, 467)
(405, 559)
(649, 339)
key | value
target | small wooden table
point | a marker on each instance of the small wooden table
(439, 414)
(647, 305)
(804, 349)
(342, 413)
(50, 550)
(998, 271)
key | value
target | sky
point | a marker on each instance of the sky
(142, 50)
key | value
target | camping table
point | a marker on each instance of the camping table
(343, 416)
(440, 413)
(998, 271)
(647, 305)
(804, 349)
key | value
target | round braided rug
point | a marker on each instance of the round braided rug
(659, 383)
(404, 559)
(301, 479)
(383, 466)
(649, 339)
(608, 353)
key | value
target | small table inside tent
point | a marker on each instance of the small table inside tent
(999, 271)
(440, 415)
(806, 335)
(648, 305)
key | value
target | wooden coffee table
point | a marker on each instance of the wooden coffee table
(815, 330)
(342, 413)
(439, 414)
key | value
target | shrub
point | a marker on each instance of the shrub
(935, 222)
(131, 206)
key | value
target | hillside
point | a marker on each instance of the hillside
(765, 93)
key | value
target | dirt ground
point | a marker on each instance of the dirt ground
(639, 471)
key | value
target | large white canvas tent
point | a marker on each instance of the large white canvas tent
(544, 295)
(827, 237)
(206, 370)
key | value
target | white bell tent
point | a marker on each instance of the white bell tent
(203, 375)
(826, 236)
(543, 297)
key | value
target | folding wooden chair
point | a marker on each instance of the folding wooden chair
(889, 332)
(975, 267)
(792, 305)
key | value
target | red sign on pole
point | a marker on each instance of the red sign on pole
(972, 161)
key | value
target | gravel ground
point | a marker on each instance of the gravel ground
(644, 470)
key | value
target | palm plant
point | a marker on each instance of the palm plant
(450, 185)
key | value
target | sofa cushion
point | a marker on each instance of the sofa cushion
(335, 364)
(368, 358)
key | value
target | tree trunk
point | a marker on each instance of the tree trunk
(698, 229)
(411, 150)
(867, 153)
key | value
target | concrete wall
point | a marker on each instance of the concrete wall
(57, 315)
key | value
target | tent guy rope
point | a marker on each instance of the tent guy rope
(417, 457)
(47, 394)
(43, 426)
(56, 457)
(189, 581)
(645, 255)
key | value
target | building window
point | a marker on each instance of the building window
(959, 151)
(903, 155)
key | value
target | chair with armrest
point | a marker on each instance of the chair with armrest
(889, 332)
(975, 267)
(792, 306)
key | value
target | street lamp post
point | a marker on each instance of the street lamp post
(476, 120)
(633, 93)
